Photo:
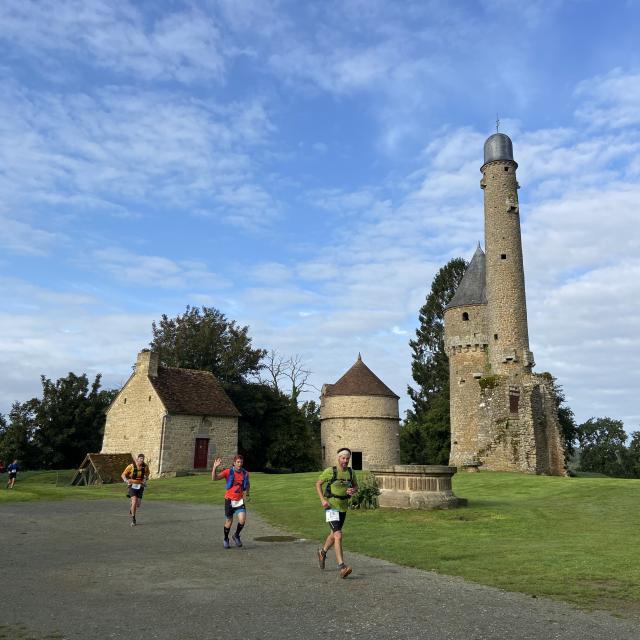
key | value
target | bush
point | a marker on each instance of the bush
(367, 495)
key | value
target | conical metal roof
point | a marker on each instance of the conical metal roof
(472, 287)
(359, 381)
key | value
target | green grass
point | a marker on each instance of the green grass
(573, 539)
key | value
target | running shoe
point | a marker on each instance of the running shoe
(322, 557)
(345, 571)
(237, 540)
(133, 521)
(226, 544)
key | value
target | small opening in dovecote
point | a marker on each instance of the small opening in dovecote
(506, 168)
(495, 336)
(465, 316)
(125, 401)
(503, 256)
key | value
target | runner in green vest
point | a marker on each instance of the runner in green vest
(341, 484)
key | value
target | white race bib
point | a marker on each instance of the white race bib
(332, 515)
(237, 503)
(136, 486)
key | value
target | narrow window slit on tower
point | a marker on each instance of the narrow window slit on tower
(514, 399)
(495, 336)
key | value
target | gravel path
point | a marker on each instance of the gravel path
(78, 570)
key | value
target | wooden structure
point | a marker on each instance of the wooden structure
(101, 468)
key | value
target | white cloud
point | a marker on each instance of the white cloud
(184, 46)
(610, 100)
(155, 271)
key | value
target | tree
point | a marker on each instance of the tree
(16, 435)
(273, 432)
(69, 420)
(425, 437)
(288, 371)
(56, 431)
(428, 442)
(566, 418)
(602, 448)
(430, 366)
(206, 340)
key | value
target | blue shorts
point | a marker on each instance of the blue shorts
(229, 510)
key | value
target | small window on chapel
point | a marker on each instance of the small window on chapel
(503, 256)
(465, 316)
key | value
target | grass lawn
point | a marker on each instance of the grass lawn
(574, 539)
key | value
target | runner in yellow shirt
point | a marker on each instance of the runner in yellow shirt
(135, 476)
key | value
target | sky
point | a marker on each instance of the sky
(306, 168)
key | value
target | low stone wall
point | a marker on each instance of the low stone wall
(416, 487)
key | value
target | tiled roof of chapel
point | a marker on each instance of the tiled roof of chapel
(192, 392)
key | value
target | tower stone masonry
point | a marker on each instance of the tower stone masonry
(503, 416)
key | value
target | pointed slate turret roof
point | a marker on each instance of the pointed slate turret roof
(192, 392)
(472, 287)
(359, 381)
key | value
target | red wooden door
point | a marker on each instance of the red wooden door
(201, 453)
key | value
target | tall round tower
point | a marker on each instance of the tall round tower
(506, 300)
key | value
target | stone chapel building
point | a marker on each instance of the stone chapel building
(503, 415)
(360, 412)
(179, 418)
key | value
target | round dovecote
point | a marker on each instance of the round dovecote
(360, 412)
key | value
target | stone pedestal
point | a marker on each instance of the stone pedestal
(416, 487)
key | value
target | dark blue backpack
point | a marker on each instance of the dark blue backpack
(245, 478)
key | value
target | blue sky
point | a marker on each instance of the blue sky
(306, 168)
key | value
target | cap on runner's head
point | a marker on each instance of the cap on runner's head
(344, 450)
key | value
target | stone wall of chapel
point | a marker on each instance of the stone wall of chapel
(134, 422)
(180, 436)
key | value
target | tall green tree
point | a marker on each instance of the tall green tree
(566, 418)
(58, 429)
(207, 340)
(602, 446)
(273, 432)
(70, 419)
(425, 437)
(16, 436)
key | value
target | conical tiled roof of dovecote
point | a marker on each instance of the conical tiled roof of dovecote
(359, 381)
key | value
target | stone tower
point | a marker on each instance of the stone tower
(360, 412)
(506, 300)
(503, 416)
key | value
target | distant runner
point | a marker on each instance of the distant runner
(12, 470)
(234, 499)
(136, 476)
(341, 484)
